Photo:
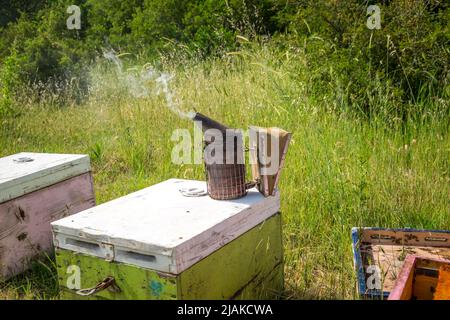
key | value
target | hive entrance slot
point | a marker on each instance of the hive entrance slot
(436, 239)
(135, 256)
(82, 244)
(382, 237)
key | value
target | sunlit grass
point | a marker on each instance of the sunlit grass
(341, 171)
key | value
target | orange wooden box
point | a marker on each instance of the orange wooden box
(422, 279)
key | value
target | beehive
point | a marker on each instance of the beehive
(35, 189)
(158, 244)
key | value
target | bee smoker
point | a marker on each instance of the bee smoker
(226, 179)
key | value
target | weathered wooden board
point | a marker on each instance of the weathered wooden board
(249, 267)
(443, 286)
(386, 249)
(418, 279)
(268, 288)
(26, 172)
(135, 283)
(25, 230)
(248, 260)
(405, 280)
(159, 228)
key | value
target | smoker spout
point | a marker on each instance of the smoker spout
(208, 123)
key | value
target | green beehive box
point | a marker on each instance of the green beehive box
(158, 244)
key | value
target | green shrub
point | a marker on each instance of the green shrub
(10, 80)
(53, 57)
(407, 61)
(108, 23)
(11, 12)
(404, 64)
(50, 59)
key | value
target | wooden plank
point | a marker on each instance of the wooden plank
(19, 178)
(178, 231)
(443, 285)
(249, 267)
(25, 231)
(248, 259)
(407, 237)
(424, 287)
(268, 288)
(426, 274)
(403, 289)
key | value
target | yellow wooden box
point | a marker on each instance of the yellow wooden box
(172, 247)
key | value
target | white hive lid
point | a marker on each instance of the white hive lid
(159, 228)
(26, 172)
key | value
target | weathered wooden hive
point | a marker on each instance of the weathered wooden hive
(36, 189)
(158, 244)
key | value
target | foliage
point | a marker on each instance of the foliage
(405, 63)
(407, 59)
(9, 81)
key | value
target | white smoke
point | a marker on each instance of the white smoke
(112, 57)
(138, 83)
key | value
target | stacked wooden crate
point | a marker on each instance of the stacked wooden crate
(158, 244)
(36, 189)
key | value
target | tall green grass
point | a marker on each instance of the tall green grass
(341, 170)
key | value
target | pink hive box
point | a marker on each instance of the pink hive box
(36, 189)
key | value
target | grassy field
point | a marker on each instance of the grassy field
(341, 171)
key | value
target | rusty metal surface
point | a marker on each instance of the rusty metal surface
(226, 181)
(107, 283)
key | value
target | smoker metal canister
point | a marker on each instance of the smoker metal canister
(225, 181)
